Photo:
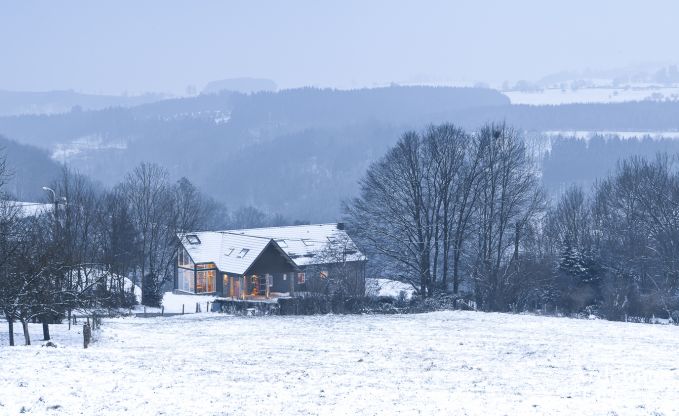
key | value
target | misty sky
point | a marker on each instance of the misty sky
(164, 46)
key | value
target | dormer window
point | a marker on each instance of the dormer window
(243, 253)
(192, 239)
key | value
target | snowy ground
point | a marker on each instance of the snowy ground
(387, 287)
(555, 96)
(438, 363)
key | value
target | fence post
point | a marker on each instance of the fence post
(162, 310)
(197, 307)
(87, 333)
(207, 306)
(144, 311)
(182, 309)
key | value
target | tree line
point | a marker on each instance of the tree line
(452, 211)
(89, 247)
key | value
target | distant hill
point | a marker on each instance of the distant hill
(52, 102)
(301, 152)
(30, 168)
(241, 85)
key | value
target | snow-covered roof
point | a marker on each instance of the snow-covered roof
(31, 209)
(306, 244)
(231, 253)
(234, 251)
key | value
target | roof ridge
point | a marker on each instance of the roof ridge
(282, 226)
(242, 234)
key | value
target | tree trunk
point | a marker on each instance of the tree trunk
(456, 268)
(10, 324)
(45, 328)
(27, 336)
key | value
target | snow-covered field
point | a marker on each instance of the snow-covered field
(555, 96)
(452, 363)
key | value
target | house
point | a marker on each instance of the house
(266, 263)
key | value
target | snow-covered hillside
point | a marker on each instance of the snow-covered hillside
(555, 96)
(437, 363)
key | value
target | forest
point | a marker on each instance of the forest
(466, 213)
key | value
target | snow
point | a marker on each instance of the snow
(588, 134)
(555, 96)
(437, 363)
(388, 287)
(31, 209)
(173, 302)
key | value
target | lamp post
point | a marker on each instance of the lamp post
(55, 201)
(45, 323)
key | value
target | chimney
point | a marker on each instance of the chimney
(340, 226)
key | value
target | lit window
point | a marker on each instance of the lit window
(324, 274)
(193, 239)
(301, 278)
(243, 253)
(282, 243)
(205, 281)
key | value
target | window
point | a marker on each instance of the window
(332, 240)
(192, 239)
(206, 281)
(282, 243)
(185, 278)
(307, 242)
(301, 278)
(243, 253)
(324, 274)
(206, 266)
(229, 251)
(183, 259)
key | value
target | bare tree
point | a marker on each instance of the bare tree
(150, 199)
(509, 199)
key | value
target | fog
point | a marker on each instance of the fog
(166, 46)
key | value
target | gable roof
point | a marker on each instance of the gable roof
(231, 253)
(304, 245)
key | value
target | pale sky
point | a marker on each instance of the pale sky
(166, 45)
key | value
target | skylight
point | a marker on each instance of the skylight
(307, 242)
(243, 253)
(282, 243)
(228, 251)
(192, 239)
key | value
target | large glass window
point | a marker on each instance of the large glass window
(206, 281)
(185, 280)
(184, 260)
